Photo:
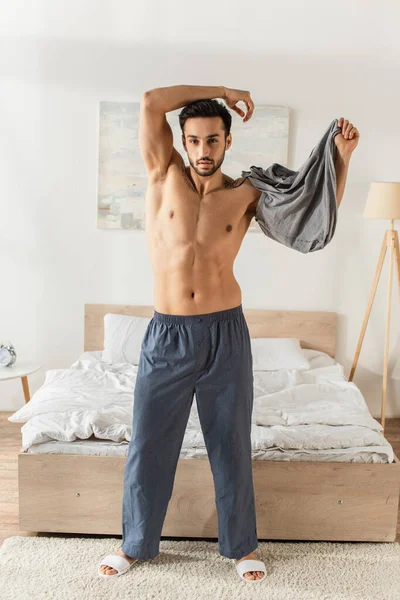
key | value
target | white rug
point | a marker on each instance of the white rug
(64, 568)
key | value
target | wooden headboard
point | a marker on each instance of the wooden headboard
(315, 330)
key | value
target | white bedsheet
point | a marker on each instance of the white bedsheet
(297, 415)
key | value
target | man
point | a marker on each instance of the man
(198, 340)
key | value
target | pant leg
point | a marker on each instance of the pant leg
(163, 397)
(224, 397)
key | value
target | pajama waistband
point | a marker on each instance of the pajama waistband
(207, 318)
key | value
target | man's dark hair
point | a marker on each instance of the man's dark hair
(206, 108)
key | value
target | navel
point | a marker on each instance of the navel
(192, 294)
(229, 227)
(171, 214)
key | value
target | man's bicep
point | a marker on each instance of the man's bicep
(155, 139)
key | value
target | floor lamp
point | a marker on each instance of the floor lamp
(383, 202)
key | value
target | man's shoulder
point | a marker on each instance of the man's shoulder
(230, 182)
(250, 193)
(246, 185)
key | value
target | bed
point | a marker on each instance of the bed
(322, 468)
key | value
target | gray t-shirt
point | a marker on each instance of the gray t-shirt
(298, 208)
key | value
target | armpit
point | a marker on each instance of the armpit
(252, 207)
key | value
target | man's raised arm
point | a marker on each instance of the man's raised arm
(341, 168)
(155, 133)
(346, 142)
(177, 96)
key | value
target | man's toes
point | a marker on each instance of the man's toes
(107, 570)
(254, 575)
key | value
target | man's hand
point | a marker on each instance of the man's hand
(232, 96)
(347, 140)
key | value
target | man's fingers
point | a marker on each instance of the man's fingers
(348, 129)
(238, 110)
(250, 109)
(353, 133)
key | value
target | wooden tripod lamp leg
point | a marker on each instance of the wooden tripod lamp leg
(391, 238)
(369, 306)
(397, 258)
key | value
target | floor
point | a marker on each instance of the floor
(10, 436)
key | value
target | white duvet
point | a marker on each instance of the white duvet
(305, 411)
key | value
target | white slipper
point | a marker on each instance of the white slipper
(117, 562)
(251, 565)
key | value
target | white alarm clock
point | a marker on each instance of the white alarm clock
(8, 356)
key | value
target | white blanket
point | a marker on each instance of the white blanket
(308, 410)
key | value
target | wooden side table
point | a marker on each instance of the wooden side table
(20, 369)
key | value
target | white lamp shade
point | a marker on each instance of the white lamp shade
(383, 200)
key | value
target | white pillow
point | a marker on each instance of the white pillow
(272, 354)
(123, 336)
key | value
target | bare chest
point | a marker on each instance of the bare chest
(177, 215)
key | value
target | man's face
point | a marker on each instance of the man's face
(204, 140)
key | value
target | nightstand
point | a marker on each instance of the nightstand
(20, 369)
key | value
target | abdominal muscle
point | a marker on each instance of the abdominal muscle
(188, 284)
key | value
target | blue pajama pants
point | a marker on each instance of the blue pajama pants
(210, 355)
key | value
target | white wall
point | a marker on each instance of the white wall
(58, 59)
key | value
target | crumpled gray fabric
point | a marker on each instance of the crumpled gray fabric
(299, 208)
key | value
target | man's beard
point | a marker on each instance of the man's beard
(206, 172)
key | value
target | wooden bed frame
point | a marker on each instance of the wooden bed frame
(294, 500)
